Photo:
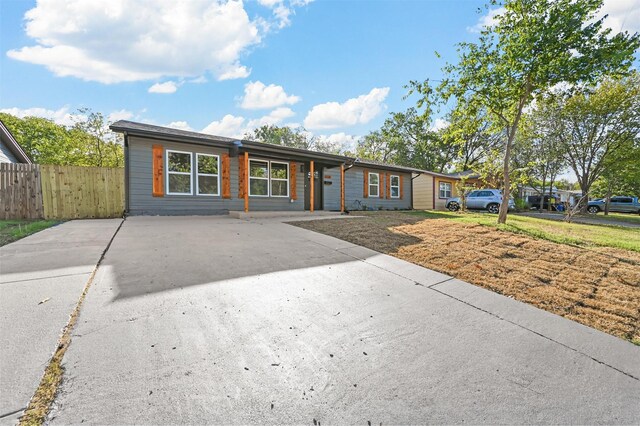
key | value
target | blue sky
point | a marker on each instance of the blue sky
(336, 67)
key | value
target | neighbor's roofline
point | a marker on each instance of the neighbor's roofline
(14, 146)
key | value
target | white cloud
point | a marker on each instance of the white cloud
(354, 111)
(199, 80)
(62, 115)
(624, 15)
(230, 126)
(342, 140)
(274, 117)
(259, 96)
(283, 10)
(98, 40)
(487, 20)
(180, 125)
(165, 88)
(122, 114)
(233, 126)
(58, 116)
(439, 124)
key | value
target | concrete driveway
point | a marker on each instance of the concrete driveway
(41, 279)
(218, 320)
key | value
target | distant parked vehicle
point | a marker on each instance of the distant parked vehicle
(616, 204)
(534, 202)
(481, 199)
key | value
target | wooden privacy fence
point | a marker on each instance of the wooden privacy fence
(31, 191)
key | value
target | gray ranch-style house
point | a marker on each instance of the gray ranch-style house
(176, 172)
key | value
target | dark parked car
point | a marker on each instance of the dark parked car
(534, 202)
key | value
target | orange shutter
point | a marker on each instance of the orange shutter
(366, 183)
(241, 177)
(381, 185)
(226, 176)
(292, 182)
(401, 186)
(158, 171)
(388, 185)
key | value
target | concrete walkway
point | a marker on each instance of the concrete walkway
(52, 265)
(216, 320)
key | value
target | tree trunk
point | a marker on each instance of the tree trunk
(541, 206)
(608, 199)
(584, 200)
(504, 205)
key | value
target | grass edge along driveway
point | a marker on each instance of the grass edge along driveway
(15, 229)
(578, 272)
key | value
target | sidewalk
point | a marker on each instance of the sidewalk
(41, 278)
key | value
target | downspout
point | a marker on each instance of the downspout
(126, 174)
(412, 178)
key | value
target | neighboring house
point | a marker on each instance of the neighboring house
(431, 189)
(10, 150)
(175, 172)
(566, 196)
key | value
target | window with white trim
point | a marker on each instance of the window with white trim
(374, 185)
(268, 178)
(207, 175)
(258, 178)
(179, 165)
(279, 174)
(445, 190)
(394, 186)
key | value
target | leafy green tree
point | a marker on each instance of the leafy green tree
(600, 131)
(87, 143)
(292, 137)
(621, 173)
(408, 139)
(285, 136)
(375, 147)
(102, 147)
(541, 144)
(473, 135)
(533, 46)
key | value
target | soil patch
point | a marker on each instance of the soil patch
(597, 287)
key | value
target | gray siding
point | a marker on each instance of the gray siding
(6, 156)
(354, 191)
(141, 201)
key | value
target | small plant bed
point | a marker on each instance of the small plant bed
(13, 230)
(576, 273)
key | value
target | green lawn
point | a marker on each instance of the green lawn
(559, 232)
(622, 217)
(12, 230)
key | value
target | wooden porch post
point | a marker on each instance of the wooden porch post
(342, 188)
(246, 181)
(311, 185)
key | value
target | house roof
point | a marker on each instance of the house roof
(12, 144)
(149, 130)
(469, 174)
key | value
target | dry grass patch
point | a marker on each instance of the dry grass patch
(598, 287)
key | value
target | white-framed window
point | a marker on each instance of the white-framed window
(268, 178)
(279, 174)
(258, 178)
(394, 186)
(374, 185)
(179, 165)
(207, 174)
(445, 190)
